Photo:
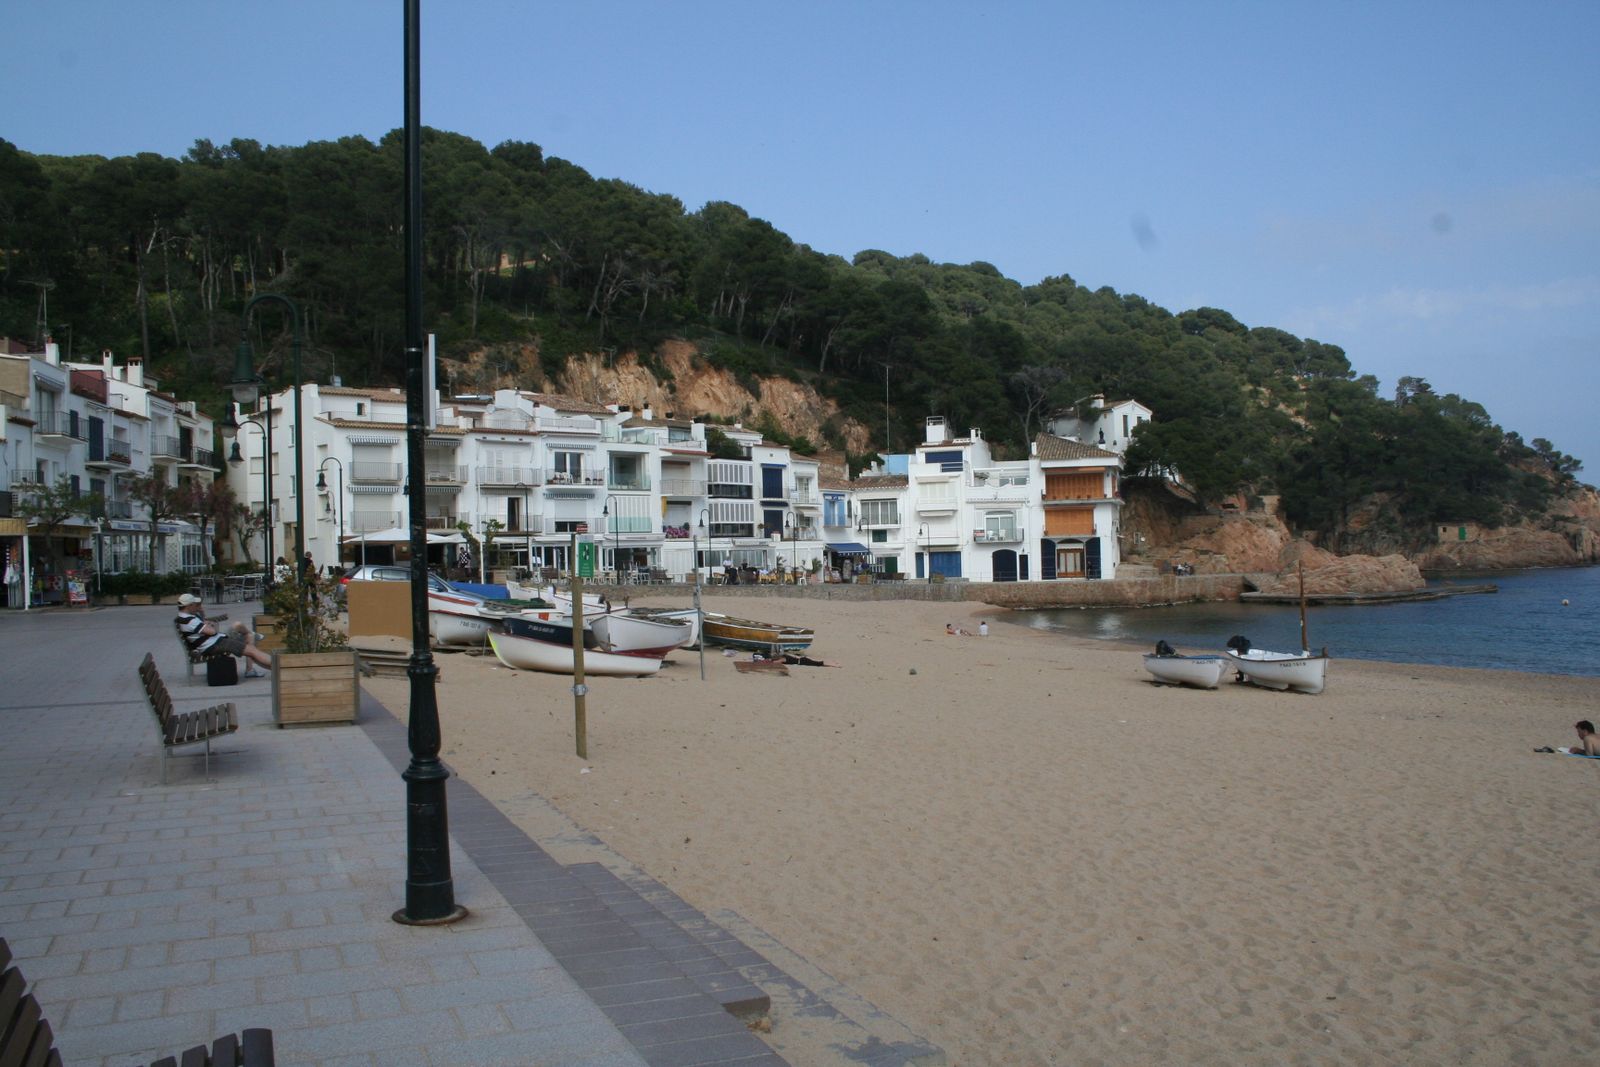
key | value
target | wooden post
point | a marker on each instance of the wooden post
(1305, 645)
(580, 692)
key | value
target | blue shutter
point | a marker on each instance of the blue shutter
(1091, 558)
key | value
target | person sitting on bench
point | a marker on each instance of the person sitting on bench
(202, 637)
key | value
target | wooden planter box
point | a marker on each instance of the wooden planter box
(315, 687)
(271, 635)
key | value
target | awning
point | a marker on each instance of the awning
(848, 548)
(400, 535)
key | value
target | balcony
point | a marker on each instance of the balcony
(199, 457)
(730, 491)
(1002, 535)
(441, 522)
(732, 529)
(362, 521)
(164, 446)
(367, 473)
(445, 474)
(59, 424)
(110, 455)
(119, 509)
(524, 524)
(936, 506)
(584, 479)
(508, 477)
(553, 424)
(629, 483)
(804, 497)
(683, 487)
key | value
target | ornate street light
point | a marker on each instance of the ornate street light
(246, 387)
(231, 426)
(616, 543)
(322, 484)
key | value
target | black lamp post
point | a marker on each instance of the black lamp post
(322, 484)
(927, 560)
(430, 891)
(616, 542)
(230, 430)
(699, 613)
(246, 387)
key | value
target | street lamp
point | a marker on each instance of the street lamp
(616, 544)
(699, 612)
(230, 430)
(927, 560)
(789, 531)
(322, 484)
(246, 386)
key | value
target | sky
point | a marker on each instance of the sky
(1418, 183)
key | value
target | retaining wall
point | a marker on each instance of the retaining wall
(1119, 592)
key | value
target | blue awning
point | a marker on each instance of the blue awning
(848, 548)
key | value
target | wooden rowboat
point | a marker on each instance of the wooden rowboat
(755, 636)
(527, 654)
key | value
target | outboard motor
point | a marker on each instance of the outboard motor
(1164, 649)
(1239, 643)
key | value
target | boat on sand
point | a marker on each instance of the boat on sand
(720, 629)
(1170, 668)
(528, 654)
(1302, 672)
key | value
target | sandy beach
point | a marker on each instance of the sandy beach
(1026, 853)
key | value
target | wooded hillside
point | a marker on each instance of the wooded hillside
(156, 257)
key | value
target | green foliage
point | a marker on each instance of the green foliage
(142, 583)
(158, 257)
(301, 622)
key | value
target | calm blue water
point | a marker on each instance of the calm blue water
(1523, 627)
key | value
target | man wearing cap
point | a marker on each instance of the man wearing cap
(203, 637)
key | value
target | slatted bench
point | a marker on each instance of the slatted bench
(26, 1039)
(180, 728)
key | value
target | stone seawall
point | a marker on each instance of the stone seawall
(1120, 592)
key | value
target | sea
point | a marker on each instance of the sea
(1542, 621)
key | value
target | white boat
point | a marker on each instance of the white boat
(688, 616)
(1303, 672)
(528, 654)
(1202, 672)
(620, 631)
(457, 619)
(592, 602)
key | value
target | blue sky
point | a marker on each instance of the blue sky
(1417, 183)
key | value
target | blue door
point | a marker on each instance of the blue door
(945, 563)
(1047, 559)
(1091, 558)
(1004, 564)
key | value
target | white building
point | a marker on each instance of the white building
(1109, 424)
(98, 426)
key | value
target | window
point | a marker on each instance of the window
(361, 409)
(1000, 526)
(880, 537)
(880, 512)
(834, 510)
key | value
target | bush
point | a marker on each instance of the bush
(141, 583)
(304, 629)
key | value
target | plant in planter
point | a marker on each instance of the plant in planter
(315, 675)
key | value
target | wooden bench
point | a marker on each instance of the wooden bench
(26, 1039)
(183, 727)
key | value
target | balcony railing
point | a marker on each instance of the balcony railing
(441, 522)
(119, 509)
(802, 496)
(632, 483)
(445, 474)
(110, 454)
(586, 478)
(996, 536)
(553, 424)
(508, 476)
(928, 506)
(525, 524)
(683, 487)
(163, 446)
(60, 424)
(200, 457)
(732, 529)
(364, 472)
(368, 521)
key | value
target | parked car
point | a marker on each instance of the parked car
(388, 572)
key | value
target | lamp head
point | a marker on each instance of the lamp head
(246, 385)
(230, 425)
(234, 457)
(322, 478)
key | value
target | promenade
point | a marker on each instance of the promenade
(150, 918)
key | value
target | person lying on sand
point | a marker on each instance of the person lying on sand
(954, 631)
(1588, 742)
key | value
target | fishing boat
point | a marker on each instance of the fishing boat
(456, 618)
(549, 626)
(1170, 668)
(551, 595)
(529, 654)
(690, 617)
(621, 631)
(1303, 672)
(720, 629)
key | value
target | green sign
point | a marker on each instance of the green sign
(586, 560)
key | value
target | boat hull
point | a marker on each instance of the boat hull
(632, 633)
(688, 616)
(555, 628)
(719, 629)
(1201, 672)
(528, 654)
(1300, 673)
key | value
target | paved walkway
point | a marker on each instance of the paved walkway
(149, 918)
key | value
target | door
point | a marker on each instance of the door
(1069, 560)
(1047, 560)
(1091, 558)
(1004, 565)
(945, 563)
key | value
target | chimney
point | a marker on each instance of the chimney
(337, 381)
(935, 432)
(134, 373)
(52, 353)
(648, 414)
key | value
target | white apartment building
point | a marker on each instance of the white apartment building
(527, 472)
(98, 425)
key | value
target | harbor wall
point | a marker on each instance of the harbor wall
(1117, 592)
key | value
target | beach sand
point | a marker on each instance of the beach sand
(1027, 854)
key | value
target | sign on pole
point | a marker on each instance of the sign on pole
(586, 554)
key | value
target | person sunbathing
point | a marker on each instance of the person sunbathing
(1588, 741)
(955, 631)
